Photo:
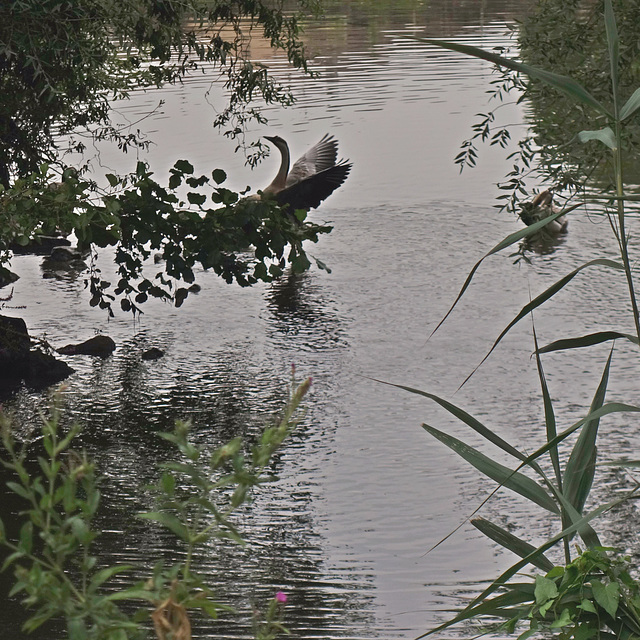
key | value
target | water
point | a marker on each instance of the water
(363, 492)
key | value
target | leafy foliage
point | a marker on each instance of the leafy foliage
(63, 64)
(55, 558)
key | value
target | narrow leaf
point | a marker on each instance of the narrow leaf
(580, 469)
(513, 480)
(586, 341)
(631, 105)
(543, 297)
(503, 244)
(549, 415)
(502, 580)
(168, 520)
(563, 83)
(512, 543)
(463, 416)
(613, 44)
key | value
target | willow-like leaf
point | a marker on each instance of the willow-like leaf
(502, 580)
(580, 469)
(631, 105)
(543, 297)
(503, 244)
(563, 83)
(586, 341)
(606, 136)
(507, 540)
(508, 478)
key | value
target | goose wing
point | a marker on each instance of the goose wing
(319, 158)
(311, 191)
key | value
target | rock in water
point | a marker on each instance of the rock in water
(101, 346)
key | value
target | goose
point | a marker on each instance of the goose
(312, 178)
(541, 207)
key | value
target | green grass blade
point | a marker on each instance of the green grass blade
(563, 83)
(613, 44)
(503, 244)
(542, 298)
(549, 416)
(511, 542)
(463, 416)
(580, 469)
(493, 607)
(631, 105)
(517, 482)
(586, 341)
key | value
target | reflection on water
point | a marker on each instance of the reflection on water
(362, 492)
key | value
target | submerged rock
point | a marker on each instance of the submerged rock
(152, 354)
(40, 245)
(101, 346)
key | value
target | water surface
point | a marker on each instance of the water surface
(363, 492)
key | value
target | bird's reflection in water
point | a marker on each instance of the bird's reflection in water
(543, 243)
(299, 308)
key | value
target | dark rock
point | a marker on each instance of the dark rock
(18, 362)
(7, 277)
(101, 346)
(152, 354)
(66, 254)
(40, 245)
(195, 288)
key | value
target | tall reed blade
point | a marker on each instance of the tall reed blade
(580, 469)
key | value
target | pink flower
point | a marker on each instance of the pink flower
(281, 597)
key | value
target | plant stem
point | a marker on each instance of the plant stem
(623, 241)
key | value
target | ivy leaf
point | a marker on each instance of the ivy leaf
(219, 176)
(587, 605)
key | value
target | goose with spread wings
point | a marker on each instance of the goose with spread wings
(312, 178)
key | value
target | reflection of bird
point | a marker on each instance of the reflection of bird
(540, 208)
(313, 177)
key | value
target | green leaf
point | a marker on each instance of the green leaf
(113, 180)
(512, 543)
(564, 620)
(196, 198)
(587, 605)
(607, 596)
(606, 136)
(184, 166)
(613, 44)
(586, 341)
(19, 489)
(545, 590)
(631, 105)
(563, 83)
(170, 521)
(580, 469)
(26, 537)
(219, 176)
(104, 574)
(513, 480)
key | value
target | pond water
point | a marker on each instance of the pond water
(363, 492)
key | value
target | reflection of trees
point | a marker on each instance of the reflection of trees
(300, 313)
(568, 37)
